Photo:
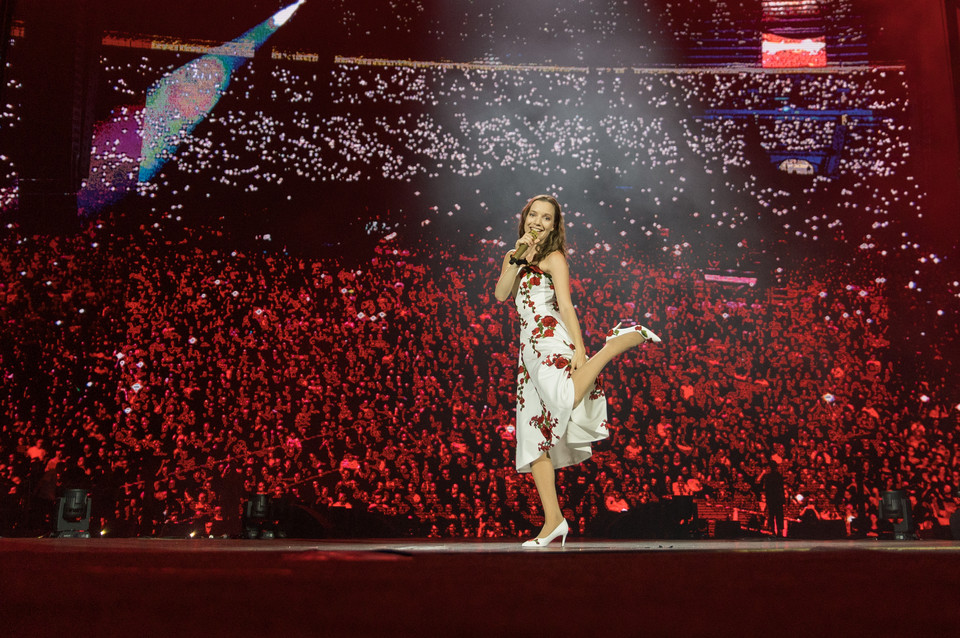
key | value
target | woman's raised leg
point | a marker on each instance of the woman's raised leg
(585, 377)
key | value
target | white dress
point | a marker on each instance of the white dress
(546, 420)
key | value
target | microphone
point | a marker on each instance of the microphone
(517, 257)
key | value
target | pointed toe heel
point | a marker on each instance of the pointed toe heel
(560, 530)
(646, 333)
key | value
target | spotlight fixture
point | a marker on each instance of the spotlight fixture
(73, 514)
(258, 518)
(895, 508)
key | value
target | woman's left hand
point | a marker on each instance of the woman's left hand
(579, 358)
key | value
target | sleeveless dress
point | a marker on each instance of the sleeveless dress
(546, 419)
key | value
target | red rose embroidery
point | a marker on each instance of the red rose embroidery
(557, 361)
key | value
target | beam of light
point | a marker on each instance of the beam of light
(114, 159)
(131, 146)
(182, 99)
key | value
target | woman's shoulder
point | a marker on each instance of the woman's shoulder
(551, 262)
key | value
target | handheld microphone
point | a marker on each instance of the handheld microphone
(517, 257)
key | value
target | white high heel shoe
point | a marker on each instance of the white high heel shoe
(646, 333)
(561, 530)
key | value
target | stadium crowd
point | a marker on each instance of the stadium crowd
(702, 144)
(174, 376)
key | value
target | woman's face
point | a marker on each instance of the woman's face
(541, 218)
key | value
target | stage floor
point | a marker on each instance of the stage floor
(403, 587)
(456, 546)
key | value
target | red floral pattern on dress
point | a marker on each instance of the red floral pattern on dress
(531, 280)
(546, 423)
(523, 377)
(557, 361)
(597, 391)
(546, 364)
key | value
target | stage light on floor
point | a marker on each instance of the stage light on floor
(258, 518)
(895, 508)
(73, 514)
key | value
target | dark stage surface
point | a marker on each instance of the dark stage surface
(155, 587)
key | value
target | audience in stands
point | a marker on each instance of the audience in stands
(176, 380)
